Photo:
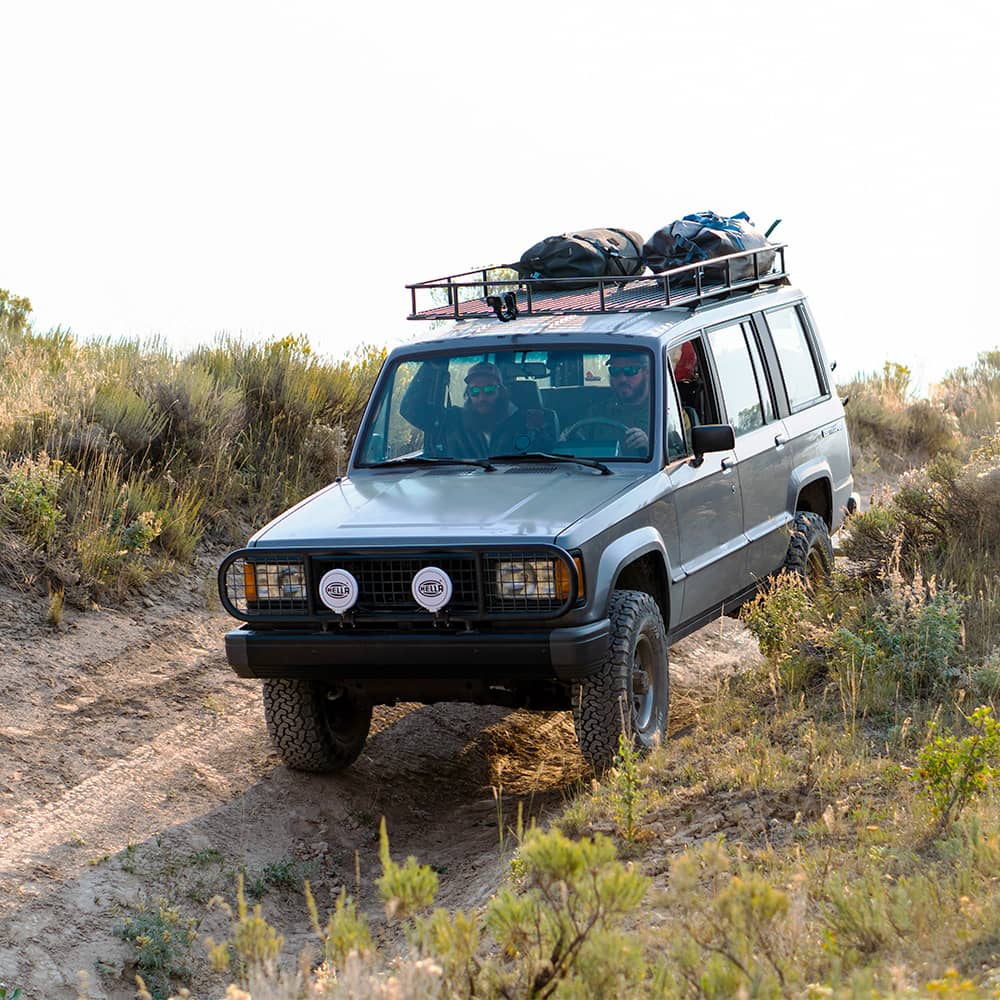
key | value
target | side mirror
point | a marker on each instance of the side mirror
(707, 438)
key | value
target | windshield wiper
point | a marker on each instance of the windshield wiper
(481, 463)
(535, 456)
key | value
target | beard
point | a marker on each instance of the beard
(484, 420)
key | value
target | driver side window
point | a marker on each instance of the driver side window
(693, 377)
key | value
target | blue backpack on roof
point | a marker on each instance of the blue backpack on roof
(702, 236)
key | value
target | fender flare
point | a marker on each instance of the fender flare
(805, 475)
(623, 551)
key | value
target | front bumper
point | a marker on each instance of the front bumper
(495, 657)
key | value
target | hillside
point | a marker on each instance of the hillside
(823, 820)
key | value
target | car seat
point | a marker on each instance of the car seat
(542, 423)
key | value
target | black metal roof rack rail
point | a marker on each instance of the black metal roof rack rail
(497, 292)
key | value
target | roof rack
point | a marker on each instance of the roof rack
(497, 292)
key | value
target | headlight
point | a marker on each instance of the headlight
(542, 579)
(526, 578)
(276, 582)
(266, 586)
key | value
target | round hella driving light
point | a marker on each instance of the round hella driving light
(432, 588)
(338, 590)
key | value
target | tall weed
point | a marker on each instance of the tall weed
(888, 427)
(973, 395)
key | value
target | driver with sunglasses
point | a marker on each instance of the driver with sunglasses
(487, 423)
(628, 373)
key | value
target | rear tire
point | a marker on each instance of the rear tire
(810, 551)
(630, 691)
(312, 730)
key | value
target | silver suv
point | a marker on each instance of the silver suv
(543, 496)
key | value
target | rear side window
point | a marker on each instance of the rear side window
(736, 377)
(798, 364)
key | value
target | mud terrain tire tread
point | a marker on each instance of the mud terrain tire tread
(809, 548)
(602, 702)
(310, 732)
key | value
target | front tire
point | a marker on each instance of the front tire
(630, 692)
(312, 726)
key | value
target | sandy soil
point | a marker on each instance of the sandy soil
(134, 765)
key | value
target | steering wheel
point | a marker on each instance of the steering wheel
(590, 421)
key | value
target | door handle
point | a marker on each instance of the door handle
(728, 464)
(780, 439)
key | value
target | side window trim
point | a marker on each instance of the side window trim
(671, 398)
(805, 318)
(773, 368)
(765, 388)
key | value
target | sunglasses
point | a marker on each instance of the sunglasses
(475, 390)
(627, 370)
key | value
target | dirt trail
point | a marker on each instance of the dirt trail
(134, 765)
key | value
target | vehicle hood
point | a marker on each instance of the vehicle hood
(449, 506)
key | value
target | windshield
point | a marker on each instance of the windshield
(581, 402)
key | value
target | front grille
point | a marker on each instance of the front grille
(384, 581)
(528, 582)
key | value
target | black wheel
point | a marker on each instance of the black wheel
(810, 551)
(314, 727)
(630, 692)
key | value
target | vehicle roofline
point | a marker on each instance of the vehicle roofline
(651, 327)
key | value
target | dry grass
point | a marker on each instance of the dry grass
(117, 456)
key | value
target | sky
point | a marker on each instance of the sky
(261, 169)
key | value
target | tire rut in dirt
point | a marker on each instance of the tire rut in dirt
(93, 727)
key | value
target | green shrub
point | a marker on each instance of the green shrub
(558, 931)
(628, 796)
(346, 932)
(865, 915)
(253, 944)
(29, 497)
(944, 522)
(902, 640)
(775, 614)
(564, 922)
(729, 930)
(133, 420)
(405, 889)
(954, 771)
(162, 939)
